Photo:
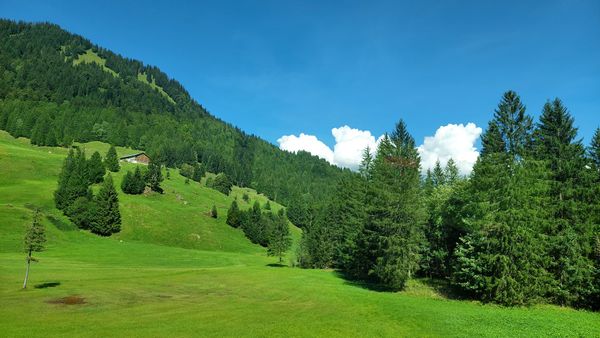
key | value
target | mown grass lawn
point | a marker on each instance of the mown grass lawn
(174, 271)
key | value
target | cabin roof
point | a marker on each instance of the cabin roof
(132, 155)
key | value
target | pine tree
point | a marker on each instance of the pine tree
(594, 149)
(507, 212)
(108, 217)
(279, 239)
(96, 168)
(127, 183)
(35, 237)
(233, 215)
(73, 181)
(138, 182)
(154, 177)
(571, 227)
(451, 172)
(389, 244)
(438, 174)
(111, 161)
(366, 164)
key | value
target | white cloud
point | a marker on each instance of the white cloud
(455, 141)
(308, 143)
(347, 151)
(350, 144)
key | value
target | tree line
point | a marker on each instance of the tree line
(266, 228)
(522, 228)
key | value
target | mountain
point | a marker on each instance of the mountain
(57, 88)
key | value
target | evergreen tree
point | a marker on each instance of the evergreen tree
(154, 177)
(389, 244)
(96, 168)
(213, 212)
(594, 149)
(438, 174)
(82, 212)
(279, 240)
(35, 237)
(366, 164)
(108, 217)
(506, 213)
(73, 180)
(139, 184)
(199, 172)
(451, 172)
(222, 183)
(127, 183)
(234, 215)
(570, 228)
(111, 161)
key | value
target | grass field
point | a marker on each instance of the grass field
(174, 271)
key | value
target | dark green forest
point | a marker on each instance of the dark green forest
(523, 228)
(47, 96)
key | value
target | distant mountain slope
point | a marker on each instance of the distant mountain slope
(62, 88)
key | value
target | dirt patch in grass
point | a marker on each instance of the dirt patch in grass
(69, 300)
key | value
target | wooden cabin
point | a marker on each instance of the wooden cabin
(141, 158)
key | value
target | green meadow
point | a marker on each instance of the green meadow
(175, 271)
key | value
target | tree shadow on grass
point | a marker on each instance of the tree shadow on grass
(276, 265)
(46, 285)
(365, 284)
(60, 224)
(444, 288)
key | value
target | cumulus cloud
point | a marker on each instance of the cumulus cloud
(347, 151)
(350, 144)
(308, 143)
(456, 141)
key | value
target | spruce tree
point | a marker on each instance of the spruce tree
(73, 181)
(127, 183)
(570, 228)
(233, 215)
(154, 177)
(451, 172)
(138, 182)
(438, 174)
(35, 238)
(111, 161)
(96, 168)
(507, 212)
(388, 248)
(594, 149)
(279, 239)
(108, 217)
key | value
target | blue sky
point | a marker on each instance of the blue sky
(279, 68)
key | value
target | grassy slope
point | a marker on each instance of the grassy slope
(142, 77)
(91, 57)
(214, 284)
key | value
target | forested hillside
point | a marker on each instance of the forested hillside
(57, 88)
